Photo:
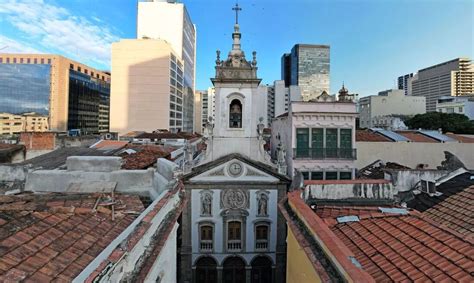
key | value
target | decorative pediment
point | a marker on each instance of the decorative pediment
(234, 170)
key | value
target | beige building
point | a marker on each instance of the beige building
(147, 90)
(204, 107)
(451, 78)
(67, 92)
(388, 103)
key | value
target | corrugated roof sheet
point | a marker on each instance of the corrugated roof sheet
(391, 135)
(437, 136)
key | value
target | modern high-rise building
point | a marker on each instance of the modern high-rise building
(147, 89)
(278, 99)
(404, 83)
(71, 95)
(204, 107)
(170, 21)
(307, 66)
(451, 78)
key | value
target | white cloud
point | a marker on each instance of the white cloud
(9, 45)
(55, 28)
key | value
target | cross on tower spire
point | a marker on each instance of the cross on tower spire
(237, 9)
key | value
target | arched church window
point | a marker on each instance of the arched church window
(235, 115)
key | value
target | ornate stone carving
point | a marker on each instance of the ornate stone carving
(234, 199)
(206, 202)
(251, 172)
(218, 172)
(262, 203)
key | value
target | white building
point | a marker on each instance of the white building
(319, 137)
(388, 103)
(456, 104)
(168, 20)
(232, 231)
(278, 98)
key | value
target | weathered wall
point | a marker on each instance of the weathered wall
(299, 268)
(412, 154)
(404, 180)
(338, 190)
(93, 163)
(38, 141)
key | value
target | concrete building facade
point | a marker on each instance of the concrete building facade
(278, 99)
(388, 103)
(319, 138)
(170, 21)
(70, 94)
(204, 107)
(451, 78)
(147, 90)
(460, 105)
(404, 83)
(307, 66)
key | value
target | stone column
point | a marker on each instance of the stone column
(219, 274)
(248, 274)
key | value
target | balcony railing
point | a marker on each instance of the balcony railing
(325, 153)
(206, 245)
(261, 245)
(234, 245)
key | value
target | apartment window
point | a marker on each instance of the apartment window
(331, 142)
(36, 61)
(261, 237)
(92, 74)
(79, 69)
(460, 109)
(28, 61)
(21, 60)
(331, 175)
(346, 143)
(8, 60)
(103, 78)
(317, 142)
(302, 142)
(86, 71)
(345, 175)
(317, 175)
(305, 175)
(206, 238)
(14, 60)
(42, 61)
(49, 61)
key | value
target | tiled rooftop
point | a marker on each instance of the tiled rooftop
(391, 246)
(366, 136)
(460, 138)
(408, 248)
(109, 145)
(456, 212)
(145, 156)
(55, 236)
(416, 136)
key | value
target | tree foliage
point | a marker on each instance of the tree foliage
(453, 122)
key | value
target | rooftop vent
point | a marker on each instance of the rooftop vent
(350, 218)
(392, 210)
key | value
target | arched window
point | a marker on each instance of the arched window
(235, 114)
(234, 236)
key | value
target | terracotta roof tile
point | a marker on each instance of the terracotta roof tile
(416, 136)
(145, 157)
(40, 244)
(367, 136)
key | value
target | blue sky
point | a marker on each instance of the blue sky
(372, 41)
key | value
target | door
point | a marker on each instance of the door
(261, 270)
(206, 270)
(234, 270)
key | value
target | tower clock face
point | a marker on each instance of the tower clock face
(235, 169)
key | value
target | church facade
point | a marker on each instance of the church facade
(232, 230)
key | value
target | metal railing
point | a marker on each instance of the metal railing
(325, 153)
(206, 245)
(234, 245)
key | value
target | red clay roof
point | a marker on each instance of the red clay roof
(456, 212)
(109, 144)
(416, 137)
(394, 247)
(145, 157)
(366, 136)
(460, 138)
(55, 236)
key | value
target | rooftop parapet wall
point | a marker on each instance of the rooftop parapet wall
(93, 163)
(344, 189)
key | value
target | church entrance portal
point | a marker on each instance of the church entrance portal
(206, 270)
(234, 270)
(261, 270)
